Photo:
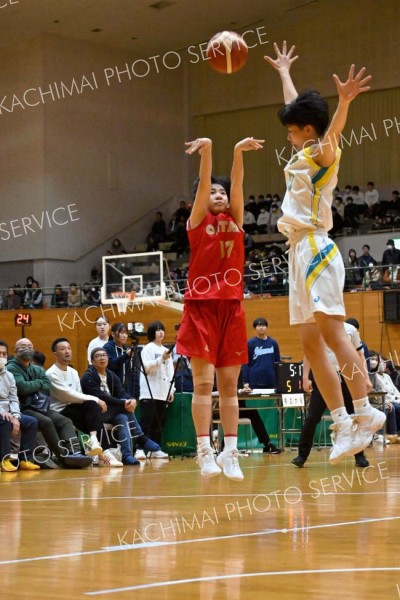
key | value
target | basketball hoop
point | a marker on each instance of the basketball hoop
(122, 299)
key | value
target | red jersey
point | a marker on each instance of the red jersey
(216, 259)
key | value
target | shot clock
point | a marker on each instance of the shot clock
(22, 319)
(289, 377)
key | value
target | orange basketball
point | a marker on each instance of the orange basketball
(227, 52)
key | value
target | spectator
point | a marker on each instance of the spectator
(59, 297)
(373, 279)
(371, 198)
(391, 255)
(90, 295)
(159, 228)
(262, 221)
(152, 245)
(156, 390)
(350, 215)
(86, 411)
(274, 216)
(182, 211)
(38, 358)
(104, 384)
(353, 272)
(12, 422)
(339, 204)
(122, 359)
(27, 292)
(263, 353)
(74, 297)
(37, 295)
(359, 201)
(249, 221)
(337, 222)
(103, 329)
(365, 259)
(33, 388)
(12, 300)
(252, 206)
(382, 382)
(117, 247)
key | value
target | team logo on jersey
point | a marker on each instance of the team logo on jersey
(317, 299)
(222, 227)
(239, 353)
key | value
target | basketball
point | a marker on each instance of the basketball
(227, 52)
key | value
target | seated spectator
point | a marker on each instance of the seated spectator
(12, 300)
(74, 297)
(350, 216)
(337, 222)
(248, 243)
(391, 255)
(249, 221)
(373, 279)
(117, 247)
(274, 216)
(183, 211)
(382, 382)
(359, 201)
(159, 229)
(37, 295)
(33, 388)
(86, 411)
(252, 206)
(12, 422)
(365, 259)
(95, 276)
(59, 297)
(371, 198)
(99, 381)
(339, 205)
(391, 276)
(353, 271)
(90, 295)
(38, 358)
(262, 221)
(27, 292)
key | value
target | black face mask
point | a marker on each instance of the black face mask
(26, 353)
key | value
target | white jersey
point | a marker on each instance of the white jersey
(309, 193)
(355, 340)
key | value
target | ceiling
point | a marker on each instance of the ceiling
(141, 27)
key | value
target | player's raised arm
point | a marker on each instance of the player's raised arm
(200, 206)
(282, 63)
(347, 90)
(236, 203)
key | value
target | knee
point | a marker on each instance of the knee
(203, 388)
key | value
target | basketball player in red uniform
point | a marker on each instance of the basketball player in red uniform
(213, 329)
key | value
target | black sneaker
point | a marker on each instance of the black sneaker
(361, 461)
(299, 461)
(271, 449)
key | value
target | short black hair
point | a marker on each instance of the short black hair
(39, 358)
(367, 246)
(260, 321)
(95, 350)
(152, 328)
(58, 341)
(353, 322)
(370, 183)
(2, 343)
(309, 108)
(224, 181)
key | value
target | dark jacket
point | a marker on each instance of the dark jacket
(91, 384)
(120, 363)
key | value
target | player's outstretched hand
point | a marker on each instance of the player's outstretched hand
(198, 145)
(284, 59)
(354, 85)
(249, 143)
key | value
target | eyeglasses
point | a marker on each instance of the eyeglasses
(100, 355)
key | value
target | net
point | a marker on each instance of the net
(122, 299)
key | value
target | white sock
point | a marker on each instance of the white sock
(230, 442)
(203, 441)
(339, 415)
(361, 407)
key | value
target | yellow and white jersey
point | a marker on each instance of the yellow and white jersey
(309, 193)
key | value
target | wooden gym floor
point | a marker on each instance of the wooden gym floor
(160, 531)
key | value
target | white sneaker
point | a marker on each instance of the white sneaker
(93, 446)
(95, 461)
(228, 460)
(157, 454)
(206, 461)
(379, 439)
(368, 424)
(344, 440)
(140, 455)
(107, 459)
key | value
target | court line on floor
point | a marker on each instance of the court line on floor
(240, 576)
(199, 496)
(122, 548)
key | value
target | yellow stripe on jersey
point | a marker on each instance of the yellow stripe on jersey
(319, 179)
(320, 261)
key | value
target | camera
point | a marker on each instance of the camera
(136, 330)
